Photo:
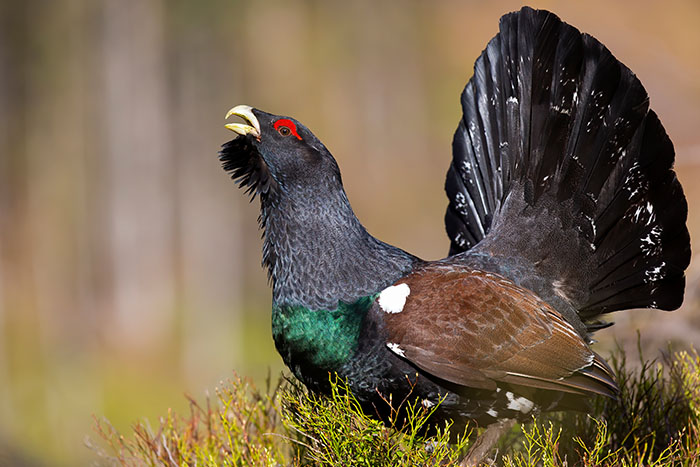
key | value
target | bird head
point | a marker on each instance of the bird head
(274, 155)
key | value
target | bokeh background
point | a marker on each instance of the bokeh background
(129, 262)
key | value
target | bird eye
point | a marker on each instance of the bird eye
(286, 127)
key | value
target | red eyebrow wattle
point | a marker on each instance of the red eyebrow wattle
(289, 124)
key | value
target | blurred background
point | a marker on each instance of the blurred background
(130, 263)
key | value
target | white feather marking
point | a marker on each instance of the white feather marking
(560, 289)
(396, 349)
(393, 298)
(427, 404)
(492, 412)
(520, 404)
(651, 244)
(592, 222)
(460, 202)
(655, 274)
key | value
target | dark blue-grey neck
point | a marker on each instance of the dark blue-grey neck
(318, 253)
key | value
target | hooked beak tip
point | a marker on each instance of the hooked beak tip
(246, 113)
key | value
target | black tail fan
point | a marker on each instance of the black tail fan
(559, 165)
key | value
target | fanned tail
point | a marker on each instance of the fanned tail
(560, 168)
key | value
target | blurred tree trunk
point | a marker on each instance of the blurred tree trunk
(140, 169)
(14, 277)
(43, 173)
(209, 220)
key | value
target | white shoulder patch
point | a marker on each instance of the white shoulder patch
(392, 299)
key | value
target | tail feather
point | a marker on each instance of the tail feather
(560, 167)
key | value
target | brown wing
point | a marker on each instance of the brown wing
(476, 329)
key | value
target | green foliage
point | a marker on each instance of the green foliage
(656, 422)
(286, 425)
(238, 430)
(334, 431)
(653, 408)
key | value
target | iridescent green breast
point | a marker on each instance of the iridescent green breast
(318, 339)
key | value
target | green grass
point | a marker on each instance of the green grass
(655, 422)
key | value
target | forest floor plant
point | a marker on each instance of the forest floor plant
(655, 422)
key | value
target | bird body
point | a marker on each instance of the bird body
(563, 206)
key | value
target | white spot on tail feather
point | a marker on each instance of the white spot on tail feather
(561, 109)
(644, 213)
(427, 404)
(655, 274)
(396, 349)
(592, 222)
(492, 412)
(651, 244)
(392, 299)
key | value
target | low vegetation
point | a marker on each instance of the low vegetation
(655, 422)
